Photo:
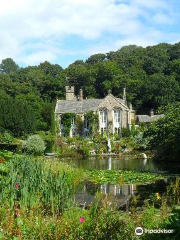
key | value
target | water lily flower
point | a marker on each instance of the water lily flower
(16, 186)
(81, 219)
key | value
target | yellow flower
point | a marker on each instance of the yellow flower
(157, 196)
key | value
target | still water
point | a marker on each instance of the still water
(123, 193)
(124, 163)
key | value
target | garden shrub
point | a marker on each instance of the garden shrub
(84, 151)
(164, 134)
(6, 137)
(49, 139)
(141, 141)
(34, 145)
(126, 132)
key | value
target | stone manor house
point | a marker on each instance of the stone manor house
(114, 113)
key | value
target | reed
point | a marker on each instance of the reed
(38, 184)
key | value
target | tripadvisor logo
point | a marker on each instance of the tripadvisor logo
(139, 231)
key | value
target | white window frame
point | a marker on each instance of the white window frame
(117, 112)
(103, 116)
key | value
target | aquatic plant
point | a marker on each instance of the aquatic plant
(114, 177)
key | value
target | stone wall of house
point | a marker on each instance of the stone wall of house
(109, 103)
(132, 117)
(70, 93)
(124, 119)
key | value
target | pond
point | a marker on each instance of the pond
(127, 162)
(124, 192)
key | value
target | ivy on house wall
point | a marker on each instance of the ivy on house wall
(93, 119)
(79, 125)
(67, 120)
(110, 127)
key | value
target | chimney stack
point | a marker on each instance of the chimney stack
(130, 106)
(80, 95)
(70, 93)
(124, 95)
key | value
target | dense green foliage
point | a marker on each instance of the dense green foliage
(16, 116)
(27, 96)
(93, 120)
(67, 122)
(8, 65)
(165, 134)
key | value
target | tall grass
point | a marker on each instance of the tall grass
(32, 184)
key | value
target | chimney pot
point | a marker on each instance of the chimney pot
(124, 95)
(152, 112)
(80, 95)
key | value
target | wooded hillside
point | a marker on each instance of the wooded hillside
(151, 76)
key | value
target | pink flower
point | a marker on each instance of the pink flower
(16, 186)
(81, 219)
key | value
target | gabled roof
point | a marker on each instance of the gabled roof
(74, 106)
(156, 117)
(148, 119)
(121, 102)
(113, 102)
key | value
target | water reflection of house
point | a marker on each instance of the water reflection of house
(122, 193)
(114, 113)
(124, 190)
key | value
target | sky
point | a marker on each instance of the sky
(62, 31)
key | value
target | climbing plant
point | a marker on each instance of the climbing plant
(67, 121)
(93, 119)
(79, 125)
(110, 128)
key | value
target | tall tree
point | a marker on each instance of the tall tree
(99, 57)
(8, 65)
(51, 69)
